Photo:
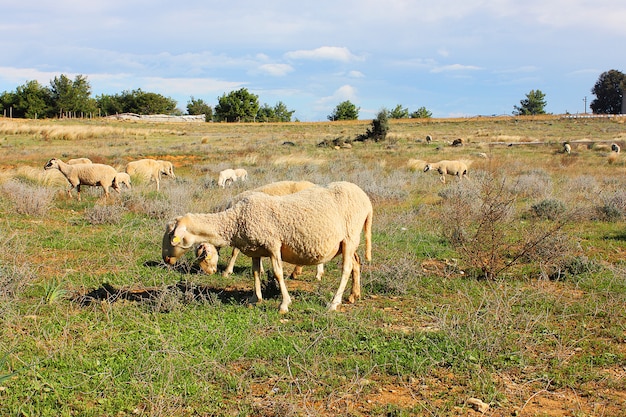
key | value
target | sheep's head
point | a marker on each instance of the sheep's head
(51, 164)
(428, 167)
(175, 241)
(167, 169)
(207, 257)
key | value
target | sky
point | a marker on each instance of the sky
(456, 58)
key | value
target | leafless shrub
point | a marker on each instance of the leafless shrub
(105, 214)
(28, 199)
(612, 205)
(535, 184)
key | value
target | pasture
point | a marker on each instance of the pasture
(506, 290)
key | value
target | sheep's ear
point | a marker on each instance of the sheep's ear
(179, 234)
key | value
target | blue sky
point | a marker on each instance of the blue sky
(456, 58)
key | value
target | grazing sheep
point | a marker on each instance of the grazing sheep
(78, 161)
(567, 148)
(231, 175)
(241, 174)
(274, 188)
(456, 168)
(122, 178)
(151, 169)
(85, 174)
(306, 228)
(207, 257)
(429, 139)
(457, 142)
(615, 148)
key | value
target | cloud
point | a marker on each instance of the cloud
(276, 70)
(455, 68)
(324, 53)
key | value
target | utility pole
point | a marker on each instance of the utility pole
(585, 100)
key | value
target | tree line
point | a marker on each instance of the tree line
(65, 97)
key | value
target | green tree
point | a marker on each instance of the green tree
(399, 112)
(33, 101)
(609, 92)
(378, 130)
(198, 106)
(237, 106)
(278, 113)
(109, 104)
(534, 103)
(421, 113)
(345, 110)
(71, 97)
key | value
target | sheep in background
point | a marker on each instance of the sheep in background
(151, 169)
(456, 168)
(429, 139)
(122, 178)
(615, 148)
(567, 148)
(207, 257)
(458, 142)
(306, 228)
(231, 175)
(75, 161)
(85, 174)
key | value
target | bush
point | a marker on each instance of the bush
(104, 214)
(28, 199)
(549, 209)
(613, 207)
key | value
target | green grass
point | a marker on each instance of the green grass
(93, 324)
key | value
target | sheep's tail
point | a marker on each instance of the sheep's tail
(368, 236)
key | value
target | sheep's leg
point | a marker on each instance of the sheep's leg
(256, 271)
(345, 274)
(297, 271)
(320, 272)
(355, 294)
(277, 266)
(77, 191)
(231, 264)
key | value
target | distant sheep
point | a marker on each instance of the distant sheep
(122, 178)
(75, 161)
(458, 142)
(307, 228)
(429, 139)
(456, 168)
(615, 148)
(231, 175)
(567, 148)
(152, 169)
(85, 174)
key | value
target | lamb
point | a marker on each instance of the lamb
(310, 227)
(85, 174)
(615, 148)
(151, 169)
(231, 175)
(567, 148)
(122, 178)
(456, 168)
(79, 161)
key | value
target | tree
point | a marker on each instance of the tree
(399, 113)
(71, 97)
(32, 101)
(421, 113)
(378, 130)
(237, 106)
(533, 104)
(110, 104)
(278, 113)
(609, 92)
(195, 107)
(344, 111)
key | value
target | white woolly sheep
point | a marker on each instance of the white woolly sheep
(615, 148)
(231, 175)
(241, 174)
(456, 168)
(306, 228)
(567, 148)
(122, 178)
(85, 174)
(75, 161)
(207, 257)
(151, 169)
(274, 188)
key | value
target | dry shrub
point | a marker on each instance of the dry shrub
(612, 158)
(298, 160)
(416, 164)
(28, 199)
(612, 205)
(534, 184)
(104, 214)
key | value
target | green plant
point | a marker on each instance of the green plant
(53, 291)
(550, 209)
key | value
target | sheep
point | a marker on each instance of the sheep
(615, 148)
(151, 169)
(429, 139)
(458, 142)
(310, 227)
(567, 148)
(78, 161)
(274, 188)
(85, 174)
(457, 168)
(231, 175)
(207, 257)
(122, 178)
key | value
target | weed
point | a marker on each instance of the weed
(32, 200)
(104, 214)
(53, 291)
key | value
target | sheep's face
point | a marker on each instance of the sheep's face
(174, 245)
(427, 168)
(168, 169)
(207, 257)
(53, 163)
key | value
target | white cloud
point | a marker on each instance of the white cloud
(276, 70)
(330, 53)
(454, 68)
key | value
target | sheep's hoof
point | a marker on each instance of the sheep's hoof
(333, 306)
(283, 310)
